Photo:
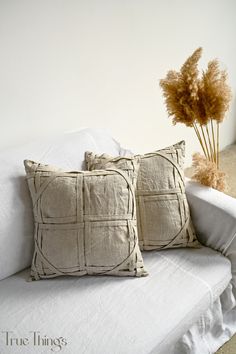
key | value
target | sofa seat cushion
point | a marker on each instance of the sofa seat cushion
(103, 315)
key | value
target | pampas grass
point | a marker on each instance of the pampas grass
(181, 91)
(207, 173)
(200, 103)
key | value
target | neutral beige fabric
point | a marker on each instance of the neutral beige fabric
(162, 208)
(85, 222)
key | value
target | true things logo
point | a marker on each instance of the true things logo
(33, 339)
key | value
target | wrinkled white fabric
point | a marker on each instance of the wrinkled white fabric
(104, 315)
(215, 327)
(16, 219)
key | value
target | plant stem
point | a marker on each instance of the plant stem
(199, 138)
(204, 138)
(218, 144)
(213, 138)
(210, 143)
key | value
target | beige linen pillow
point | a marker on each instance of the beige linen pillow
(162, 209)
(85, 222)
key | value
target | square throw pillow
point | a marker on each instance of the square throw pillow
(85, 222)
(162, 209)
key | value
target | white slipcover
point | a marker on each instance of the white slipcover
(104, 315)
(214, 217)
(185, 306)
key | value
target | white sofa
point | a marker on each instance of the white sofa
(185, 305)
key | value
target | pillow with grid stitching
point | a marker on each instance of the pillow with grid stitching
(163, 214)
(85, 222)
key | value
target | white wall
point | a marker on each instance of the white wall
(65, 64)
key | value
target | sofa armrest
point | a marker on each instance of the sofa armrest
(214, 218)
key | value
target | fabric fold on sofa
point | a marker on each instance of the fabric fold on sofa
(214, 328)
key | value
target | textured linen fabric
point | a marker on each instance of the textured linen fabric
(162, 209)
(85, 222)
(104, 315)
(16, 219)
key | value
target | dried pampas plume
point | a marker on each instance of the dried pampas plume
(190, 99)
(180, 91)
(214, 92)
(207, 173)
(199, 102)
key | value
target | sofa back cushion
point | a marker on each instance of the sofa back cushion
(16, 218)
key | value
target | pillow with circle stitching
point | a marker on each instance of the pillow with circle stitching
(85, 222)
(163, 214)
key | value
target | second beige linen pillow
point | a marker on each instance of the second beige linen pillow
(162, 209)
